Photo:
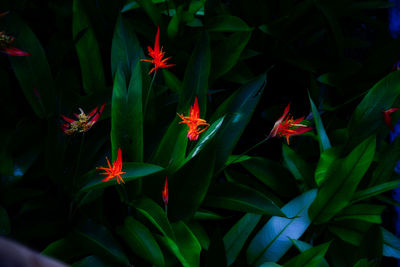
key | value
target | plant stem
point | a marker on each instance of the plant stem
(148, 93)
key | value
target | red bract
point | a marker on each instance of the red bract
(83, 123)
(115, 170)
(7, 48)
(194, 121)
(165, 192)
(286, 126)
(387, 117)
(157, 54)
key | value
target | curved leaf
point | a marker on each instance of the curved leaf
(343, 177)
(323, 139)
(391, 245)
(311, 257)
(272, 241)
(227, 23)
(141, 241)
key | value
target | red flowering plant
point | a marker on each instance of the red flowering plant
(178, 190)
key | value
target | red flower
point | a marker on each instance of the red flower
(387, 117)
(84, 122)
(157, 55)
(7, 48)
(286, 126)
(194, 121)
(114, 170)
(165, 192)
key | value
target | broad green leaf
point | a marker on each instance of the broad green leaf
(325, 161)
(4, 222)
(100, 238)
(232, 159)
(272, 174)
(195, 82)
(174, 249)
(364, 212)
(227, 23)
(187, 243)
(205, 138)
(126, 49)
(90, 261)
(238, 109)
(155, 214)
(33, 72)
(67, 248)
(171, 151)
(367, 117)
(200, 233)
(127, 116)
(88, 50)
(303, 246)
(386, 164)
(374, 191)
(343, 177)
(364, 263)
(141, 241)
(272, 241)
(391, 245)
(323, 139)
(207, 215)
(348, 235)
(172, 81)
(309, 258)
(152, 11)
(133, 171)
(234, 196)
(189, 185)
(226, 53)
(300, 169)
(235, 238)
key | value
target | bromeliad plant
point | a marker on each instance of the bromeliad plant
(322, 201)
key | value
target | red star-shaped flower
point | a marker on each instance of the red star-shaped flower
(194, 121)
(157, 54)
(115, 170)
(286, 126)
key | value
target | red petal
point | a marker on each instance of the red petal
(165, 192)
(387, 117)
(15, 52)
(67, 119)
(277, 124)
(156, 42)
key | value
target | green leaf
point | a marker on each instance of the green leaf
(205, 138)
(391, 245)
(155, 214)
(200, 233)
(235, 238)
(347, 234)
(309, 258)
(33, 72)
(272, 174)
(195, 82)
(174, 249)
(364, 263)
(234, 196)
(303, 246)
(88, 50)
(376, 190)
(207, 215)
(172, 81)
(386, 164)
(343, 177)
(141, 241)
(325, 161)
(134, 170)
(4, 222)
(126, 49)
(238, 109)
(364, 212)
(226, 54)
(227, 23)
(68, 248)
(186, 195)
(187, 243)
(270, 264)
(300, 169)
(127, 116)
(152, 11)
(323, 139)
(367, 117)
(272, 241)
(100, 238)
